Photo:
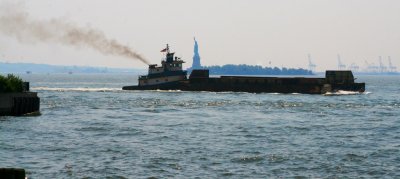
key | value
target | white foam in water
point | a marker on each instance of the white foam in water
(167, 91)
(76, 89)
(342, 92)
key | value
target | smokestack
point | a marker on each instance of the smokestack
(18, 24)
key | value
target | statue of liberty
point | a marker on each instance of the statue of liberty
(196, 57)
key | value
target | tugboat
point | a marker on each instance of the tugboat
(171, 76)
(164, 77)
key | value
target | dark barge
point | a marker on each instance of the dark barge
(170, 76)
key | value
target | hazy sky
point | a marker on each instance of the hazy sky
(228, 31)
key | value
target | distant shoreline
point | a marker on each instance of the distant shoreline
(32, 68)
(29, 68)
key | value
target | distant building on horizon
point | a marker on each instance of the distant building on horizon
(196, 57)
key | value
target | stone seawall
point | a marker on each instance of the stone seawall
(17, 104)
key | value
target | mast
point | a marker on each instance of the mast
(169, 56)
(167, 49)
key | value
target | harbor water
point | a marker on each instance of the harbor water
(90, 128)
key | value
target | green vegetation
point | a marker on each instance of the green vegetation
(10, 84)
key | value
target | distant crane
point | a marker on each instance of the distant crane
(341, 66)
(354, 67)
(366, 69)
(371, 67)
(311, 65)
(392, 68)
(382, 67)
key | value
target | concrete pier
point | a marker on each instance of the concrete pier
(17, 104)
(12, 173)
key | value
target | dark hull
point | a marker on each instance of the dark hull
(165, 86)
(305, 89)
(254, 85)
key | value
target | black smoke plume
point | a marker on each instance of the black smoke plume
(17, 23)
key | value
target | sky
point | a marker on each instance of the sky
(256, 32)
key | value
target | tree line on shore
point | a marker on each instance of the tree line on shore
(243, 69)
(10, 84)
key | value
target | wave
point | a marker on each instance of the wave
(81, 89)
(342, 92)
(168, 91)
(86, 89)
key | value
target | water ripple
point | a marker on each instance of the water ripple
(90, 128)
